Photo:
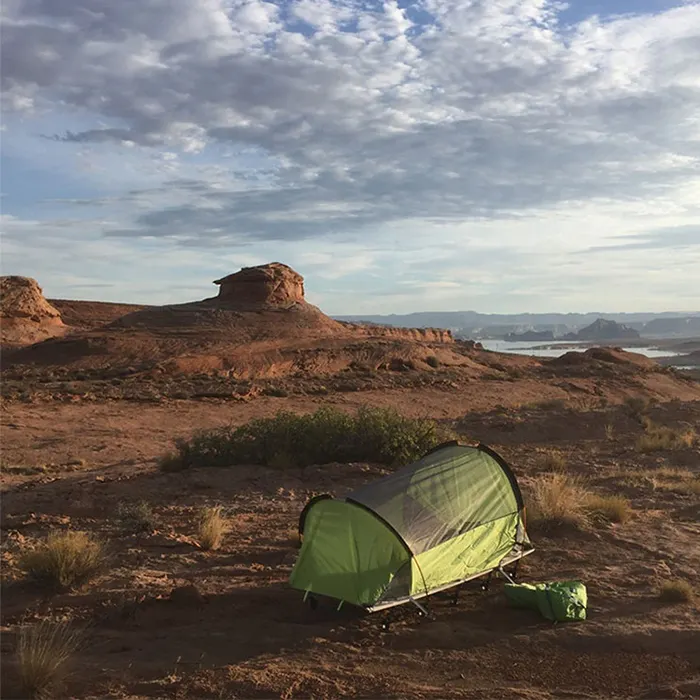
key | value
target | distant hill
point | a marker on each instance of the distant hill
(530, 335)
(686, 326)
(603, 329)
(471, 324)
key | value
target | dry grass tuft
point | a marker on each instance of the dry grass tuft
(609, 432)
(690, 487)
(676, 591)
(671, 473)
(660, 437)
(64, 559)
(558, 499)
(553, 461)
(614, 509)
(43, 654)
(211, 527)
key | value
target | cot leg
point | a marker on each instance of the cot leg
(421, 609)
(514, 573)
(506, 575)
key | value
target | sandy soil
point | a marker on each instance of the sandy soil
(244, 633)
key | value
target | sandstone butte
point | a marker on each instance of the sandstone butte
(258, 319)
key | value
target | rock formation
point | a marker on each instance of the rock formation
(259, 325)
(273, 284)
(603, 329)
(25, 315)
(424, 335)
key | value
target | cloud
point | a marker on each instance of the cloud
(673, 238)
(366, 116)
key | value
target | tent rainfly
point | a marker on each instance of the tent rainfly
(454, 515)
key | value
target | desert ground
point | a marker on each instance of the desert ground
(84, 433)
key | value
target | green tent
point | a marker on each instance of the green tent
(452, 516)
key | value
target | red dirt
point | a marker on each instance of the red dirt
(169, 620)
(87, 315)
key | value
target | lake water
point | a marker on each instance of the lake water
(555, 348)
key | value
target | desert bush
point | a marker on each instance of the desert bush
(550, 405)
(660, 437)
(44, 651)
(64, 559)
(636, 406)
(135, 517)
(556, 500)
(552, 460)
(211, 527)
(615, 509)
(172, 462)
(329, 435)
(277, 391)
(676, 591)
(609, 431)
(432, 361)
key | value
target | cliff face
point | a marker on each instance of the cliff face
(425, 335)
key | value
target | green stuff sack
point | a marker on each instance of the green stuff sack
(560, 601)
(522, 595)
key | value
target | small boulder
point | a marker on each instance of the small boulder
(187, 596)
(25, 315)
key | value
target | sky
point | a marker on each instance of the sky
(496, 155)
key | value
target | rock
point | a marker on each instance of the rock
(188, 595)
(27, 317)
(272, 284)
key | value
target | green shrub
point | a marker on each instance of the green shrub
(636, 406)
(377, 435)
(135, 517)
(432, 361)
